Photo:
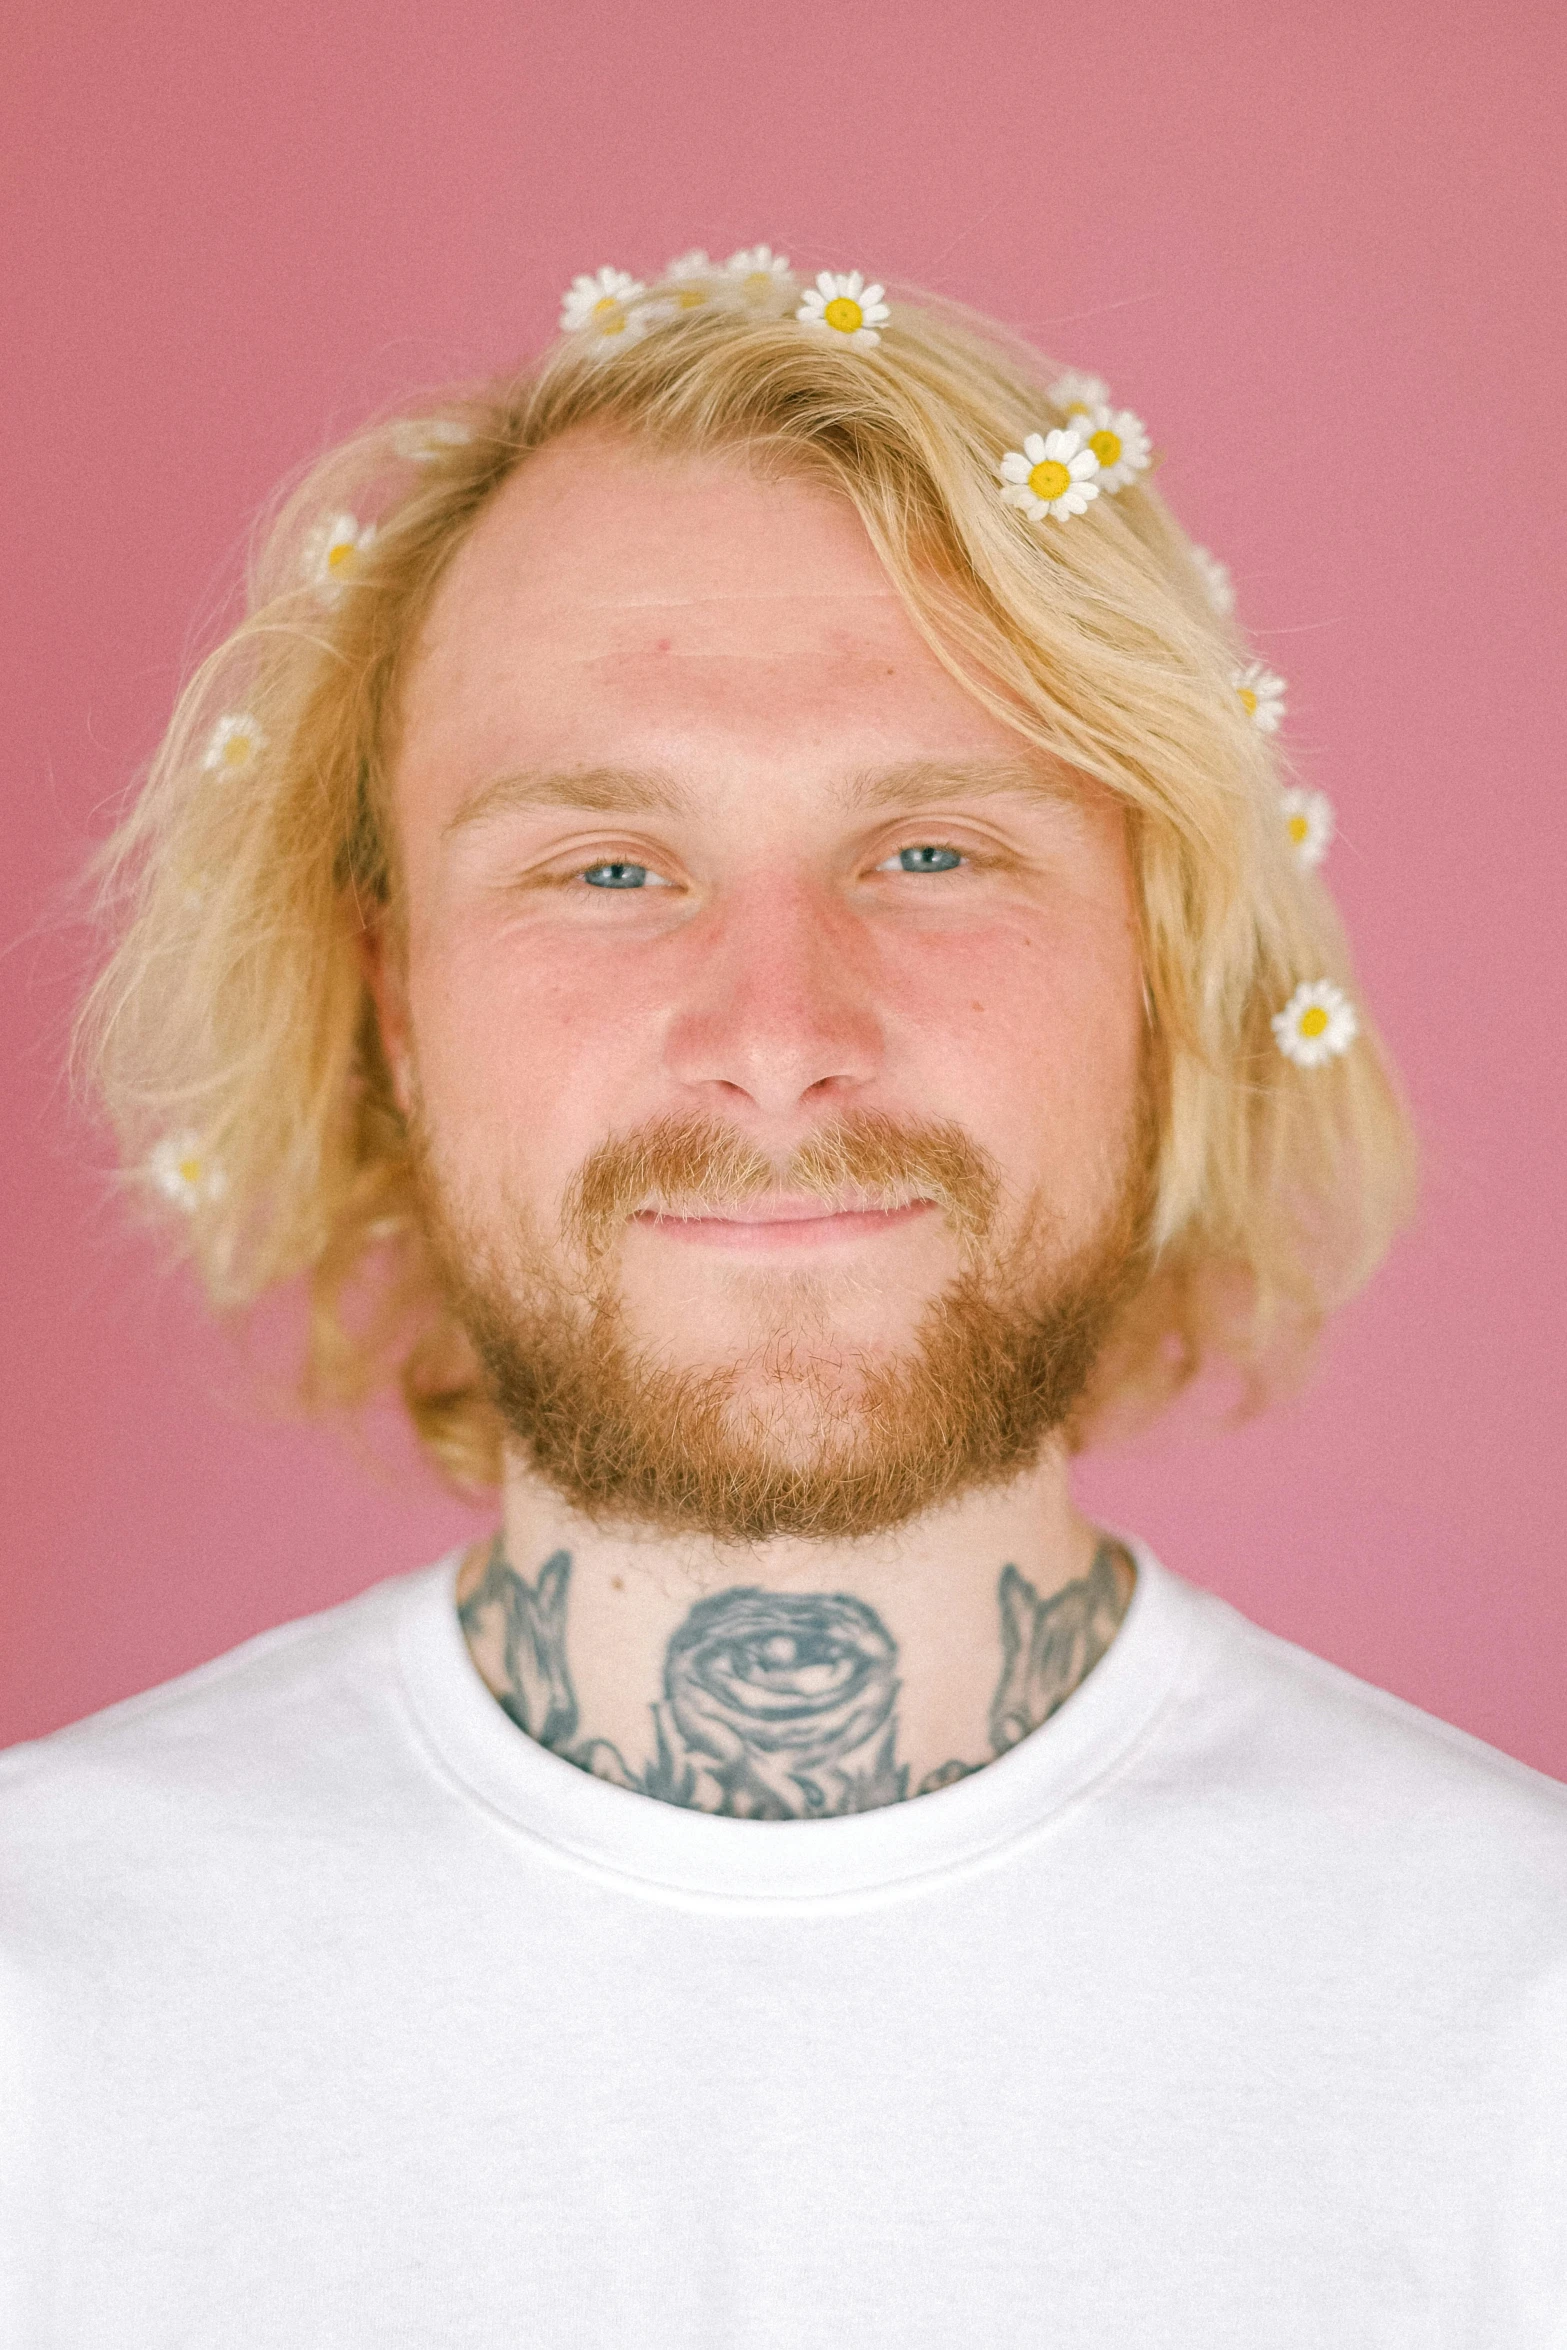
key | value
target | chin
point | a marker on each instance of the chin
(799, 1401)
(767, 1329)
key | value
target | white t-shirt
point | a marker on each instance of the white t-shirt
(1228, 2011)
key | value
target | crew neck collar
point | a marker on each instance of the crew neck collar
(591, 1825)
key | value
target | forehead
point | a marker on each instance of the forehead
(596, 524)
(608, 586)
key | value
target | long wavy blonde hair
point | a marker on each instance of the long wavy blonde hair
(231, 1032)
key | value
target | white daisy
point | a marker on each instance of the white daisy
(845, 306)
(421, 440)
(695, 280)
(333, 553)
(1261, 696)
(1053, 473)
(1308, 820)
(593, 300)
(1120, 442)
(1077, 394)
(618, 330)
(1216, 579)
(184, 1174)
(1318, 1023)
(760, 278)
(235, 743)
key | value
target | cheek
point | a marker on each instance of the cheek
(520, 1064)
(1033, 1034)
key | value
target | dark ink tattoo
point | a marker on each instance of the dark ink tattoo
(782, 1695)
(783, 1705)
(1049, 1645)
(537, 1693)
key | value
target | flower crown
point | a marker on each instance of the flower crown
(1090, 450)
(1095, 450)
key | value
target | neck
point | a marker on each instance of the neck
(797, 1679)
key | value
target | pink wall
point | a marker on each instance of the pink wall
(1320, 248)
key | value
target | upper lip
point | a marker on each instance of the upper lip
(778, 1207)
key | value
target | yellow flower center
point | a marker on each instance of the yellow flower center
(691, 297)
(758, 285)
(844, 314)
(1248, 700)
(608, 316)
(236, 751)
(1106, 446)
(1049, 479)
(1078, 408)
(340, 556)
(1299, 827)
(1313, 1020)
(190, 1171)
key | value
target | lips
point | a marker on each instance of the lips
(781, 1217)
(774, 1207)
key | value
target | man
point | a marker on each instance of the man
(748, 947)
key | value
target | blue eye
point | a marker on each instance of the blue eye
(614, 875)
(929, 858)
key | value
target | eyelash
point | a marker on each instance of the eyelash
(911, 848)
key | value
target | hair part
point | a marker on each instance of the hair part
(234, 1002)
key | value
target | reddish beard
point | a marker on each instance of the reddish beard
(790, 1441)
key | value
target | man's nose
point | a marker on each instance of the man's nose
(778, 1007)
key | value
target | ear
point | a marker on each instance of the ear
(382, 964)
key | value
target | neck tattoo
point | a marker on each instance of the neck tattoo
(781, 1705)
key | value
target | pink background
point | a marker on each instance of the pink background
(1320, 249)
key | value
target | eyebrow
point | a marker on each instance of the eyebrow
(606, 791)
(625, 791)
(922, 783)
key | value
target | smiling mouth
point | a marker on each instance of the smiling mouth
(780, 1220)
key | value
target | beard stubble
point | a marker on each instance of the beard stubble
(827, 1444)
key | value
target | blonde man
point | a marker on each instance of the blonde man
(744, 945)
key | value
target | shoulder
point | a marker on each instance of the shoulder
(1346, 1775)
(291, 1709)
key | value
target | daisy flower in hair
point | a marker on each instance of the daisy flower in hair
(334, 551)
(1119, 441)
(1216, 579)
(1308, 822)
(759, 277)
(693, 278)
(602, 308)
(1317, 1024)
(1052, 474)
(1261, 696)
(182, 1172)
(235, 744)
(846, 306)
(1079, 394)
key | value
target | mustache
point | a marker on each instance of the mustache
(694, 1166)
